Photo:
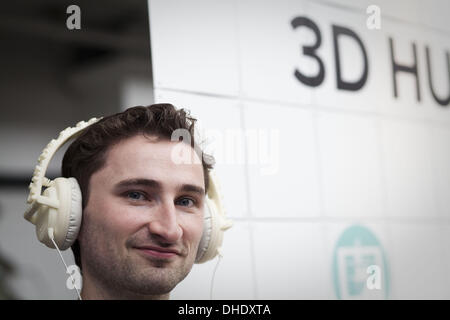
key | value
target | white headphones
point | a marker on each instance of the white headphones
(59, 207)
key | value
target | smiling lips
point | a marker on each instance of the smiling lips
(158, 252)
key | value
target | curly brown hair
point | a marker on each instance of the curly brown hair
(87, 154)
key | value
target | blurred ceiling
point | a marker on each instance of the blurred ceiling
(108, 27)
(52, 75)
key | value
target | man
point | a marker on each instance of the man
(142, 211)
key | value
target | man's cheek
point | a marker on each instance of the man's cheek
(88, 230)
(94, 226)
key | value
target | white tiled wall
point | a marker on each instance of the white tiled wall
(418, 261)
(291, 189)
(265, 36)
(197, 56)
(289, 263)
(350, 164)
(344, 158)
(408, 162)
(440, 137)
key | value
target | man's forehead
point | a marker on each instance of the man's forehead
(154, 148)
(139, 157)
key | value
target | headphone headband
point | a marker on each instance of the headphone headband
(38, 180)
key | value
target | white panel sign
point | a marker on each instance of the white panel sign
(358, 95)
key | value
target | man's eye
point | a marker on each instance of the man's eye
(187, 202)
(135, 195)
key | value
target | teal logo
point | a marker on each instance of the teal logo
(359, 265)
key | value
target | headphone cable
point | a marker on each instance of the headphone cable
(50, 234)
(214, 273)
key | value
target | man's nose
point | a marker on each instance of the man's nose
(165, 223)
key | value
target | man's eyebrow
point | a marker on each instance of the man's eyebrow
(192, 188)
(141, 182)
(157, 185)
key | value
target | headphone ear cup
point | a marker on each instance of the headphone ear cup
(214, 223)
(66, 219)
(206, 236)
(75, 215)
(212, 237)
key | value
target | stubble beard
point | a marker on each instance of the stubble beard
(129, 273)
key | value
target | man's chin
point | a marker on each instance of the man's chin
(151, 280)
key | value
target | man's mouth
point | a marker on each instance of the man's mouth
(158, 252)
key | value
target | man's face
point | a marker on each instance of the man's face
(144, 218)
